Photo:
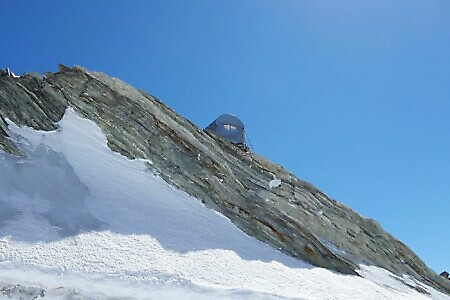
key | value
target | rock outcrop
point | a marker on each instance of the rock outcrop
(292, 216)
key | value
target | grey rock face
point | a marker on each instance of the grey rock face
(294, 216)
(20, 292)
(5, 143)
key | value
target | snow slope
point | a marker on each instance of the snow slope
(79, 219)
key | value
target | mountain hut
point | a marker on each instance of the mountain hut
(228, 127)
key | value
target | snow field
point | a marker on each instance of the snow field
(77, 215)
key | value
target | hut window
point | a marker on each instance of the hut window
(229, 127)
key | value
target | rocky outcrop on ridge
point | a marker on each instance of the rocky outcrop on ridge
(294, 216)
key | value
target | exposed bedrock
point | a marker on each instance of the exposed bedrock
(294, 217)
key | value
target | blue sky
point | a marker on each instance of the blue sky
(350, 95)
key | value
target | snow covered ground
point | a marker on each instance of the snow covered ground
(78, 220)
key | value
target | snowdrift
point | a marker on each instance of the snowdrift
(77, 219)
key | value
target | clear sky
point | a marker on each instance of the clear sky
(352, 96)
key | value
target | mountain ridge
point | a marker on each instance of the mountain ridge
(295, 217)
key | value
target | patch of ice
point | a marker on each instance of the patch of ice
(274, 183)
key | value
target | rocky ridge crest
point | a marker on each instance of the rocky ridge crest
(294, 217)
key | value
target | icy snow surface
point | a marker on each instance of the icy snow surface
(79, 219)
(274, 182)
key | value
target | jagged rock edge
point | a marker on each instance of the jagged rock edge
(115, 146)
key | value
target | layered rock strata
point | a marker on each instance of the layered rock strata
(294, 217)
